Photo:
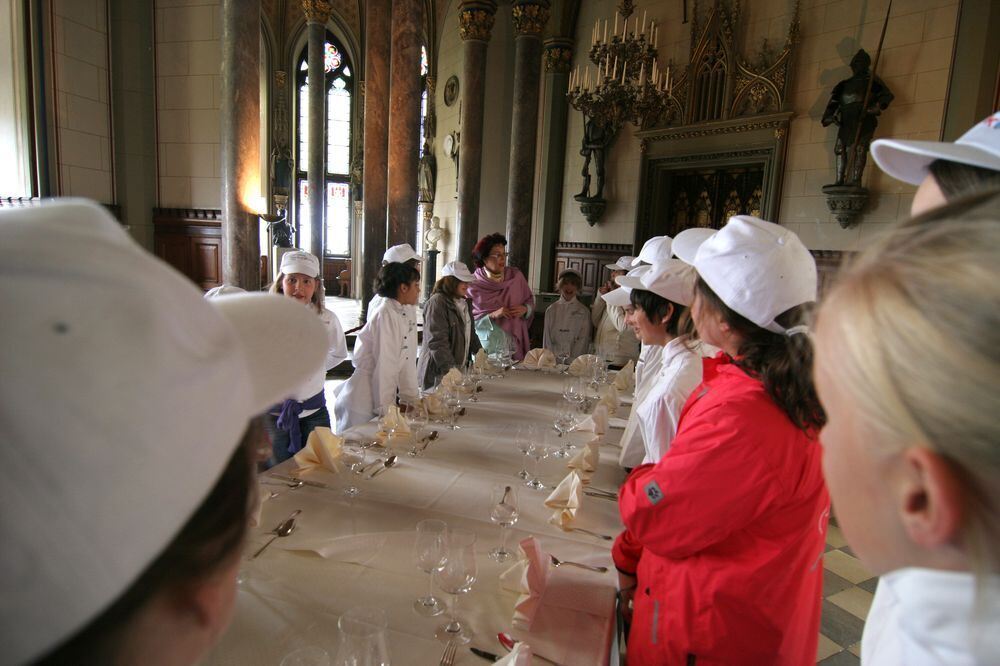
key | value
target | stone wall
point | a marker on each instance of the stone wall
(915, 65)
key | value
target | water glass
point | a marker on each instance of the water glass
(503, 512)
(363, 638)
(416, 414)
(564, 421)
(537, 449)
(307, 656)
(353, 455)
(430, 551)
(453, 402)
(573, 389)
(522, 441)
(456, 577)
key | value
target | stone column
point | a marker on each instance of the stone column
(558, 57)
(240, 139)
(404, 120)
(317, 14)
(475, 22)
(377, 18)
(529, 17)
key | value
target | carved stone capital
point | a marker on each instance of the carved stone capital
(530, 17)
(279, 78)
(558, 55)
(317, 11)
(475, 20)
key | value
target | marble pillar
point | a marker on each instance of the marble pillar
(404, 120)
(377, 31)
(317, 14)
(558, 56)
(529, 17)
(240, 142)
(475, 23)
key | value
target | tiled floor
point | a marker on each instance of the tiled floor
(847, 596)
(847, 587)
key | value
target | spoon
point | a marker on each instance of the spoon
(290, 484)
(389, 462)
(283, 529)
(556, 562)
(593, 534)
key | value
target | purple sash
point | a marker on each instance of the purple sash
(288, 418)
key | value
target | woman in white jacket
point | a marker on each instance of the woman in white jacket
(908, 371)
(385, 354)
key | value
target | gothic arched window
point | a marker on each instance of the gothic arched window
(339, 85)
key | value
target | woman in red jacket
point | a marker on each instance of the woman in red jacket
(722, 549)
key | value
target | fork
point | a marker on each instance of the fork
(593, 534)
(448, 658)
(556, 562)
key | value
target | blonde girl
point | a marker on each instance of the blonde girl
(908, 370)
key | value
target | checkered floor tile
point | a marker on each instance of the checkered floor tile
(847, 595)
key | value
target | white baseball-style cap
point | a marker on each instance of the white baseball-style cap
(124, 395)
(909, 161)
(623, 264)
(672, 279)
(224, 290)
(458, 269)
(569, 271)
(299, 261)
(759, 269)
(622, 296)
(400, 254)
(655, 250)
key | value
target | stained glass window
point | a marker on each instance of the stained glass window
(339, 85)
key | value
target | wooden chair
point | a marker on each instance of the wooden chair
(344, 283)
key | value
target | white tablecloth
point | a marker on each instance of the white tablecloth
(292, 597)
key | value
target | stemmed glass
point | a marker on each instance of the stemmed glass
(537, 450)
(503, 512)
(562, 360)
(474, 377)
(453, 401)
(456, 577)
(353, 456)
(522, 440)
(565, 419)
(573, 389)
(429, 553)
(416, 414)
(362, 638)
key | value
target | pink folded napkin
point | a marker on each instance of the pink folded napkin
(527, 578)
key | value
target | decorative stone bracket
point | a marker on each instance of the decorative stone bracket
(846, 202)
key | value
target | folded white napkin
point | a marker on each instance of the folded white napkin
(539, 358)
(482, 362)
(322, 451)
(395, 421)
(527, 578)
(565, 499)
(625, 378)
(434, 405)
(585, 462)
(451, 379)
(596, 423)
(583, 365)
(609, 398)
(519, 656)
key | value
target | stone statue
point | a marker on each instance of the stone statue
(596, 139)
(281, 233)
(426, 174)
(358, 176)
(856, 124)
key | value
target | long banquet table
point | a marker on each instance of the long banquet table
(291, 596)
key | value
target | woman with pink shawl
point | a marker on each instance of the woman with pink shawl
(502, 302)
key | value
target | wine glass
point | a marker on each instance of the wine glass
(429, 553)
(456, 577)
(416, 414)
(522, 440)
(537, 449)
(573, 389)
(562, 360)
(363, 638)
(564, 421)
(453, 402)
(310, 655)
(353, 454)
(503, 512)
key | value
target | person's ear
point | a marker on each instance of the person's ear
(670, 313)
(929, 498)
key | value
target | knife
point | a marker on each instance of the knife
(488, 656)
(314, 484)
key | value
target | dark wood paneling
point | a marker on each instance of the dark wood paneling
(590, 260)
(332, 267)
(190, 240)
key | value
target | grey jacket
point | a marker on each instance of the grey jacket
(444, 339)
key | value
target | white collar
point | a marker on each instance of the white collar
(943, 617)
(563, 301)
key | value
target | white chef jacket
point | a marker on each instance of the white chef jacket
(930, 617)
(378, 301)
(567, 328)
(336, 353)
(647, 369)
(660, 410)
(611, 332)
(385, 359)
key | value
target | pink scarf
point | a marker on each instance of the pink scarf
(488, 296)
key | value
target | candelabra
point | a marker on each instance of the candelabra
(625, 83)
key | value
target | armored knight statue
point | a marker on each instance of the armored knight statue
(856, 125)
(596, 139)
